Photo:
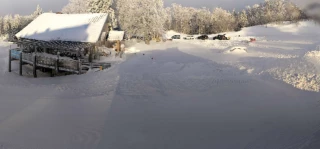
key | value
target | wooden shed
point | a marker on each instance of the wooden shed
(61, 42)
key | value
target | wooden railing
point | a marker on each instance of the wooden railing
(52, 63)
(27, 57)
(69, 65)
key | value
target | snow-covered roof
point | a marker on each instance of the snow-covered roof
(65, 27)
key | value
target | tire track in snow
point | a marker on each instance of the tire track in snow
(88, 137)
(13, 123)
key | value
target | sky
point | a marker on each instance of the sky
(25, 7)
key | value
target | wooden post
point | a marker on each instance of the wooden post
(118, 46)
(20, 64)
(79, 66)
(90, 55)
(35, 66)
(57, 66)
(52, 73)
(9, 67)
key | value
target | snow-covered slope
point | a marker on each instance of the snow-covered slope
(180, 94)
(286, 51)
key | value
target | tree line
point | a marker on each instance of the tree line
(138, 17)
(11, 25)
(141, 17)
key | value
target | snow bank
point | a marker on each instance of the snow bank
(237, 50)
(304, 81)
(313, 54)
(132, 50)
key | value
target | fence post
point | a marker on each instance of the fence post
(57, 63)
(20, 64)
(57, 66)
(35, 66)
(9, 67)
(79, 66)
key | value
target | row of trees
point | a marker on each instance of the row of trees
(10, 25)
(137, 17)
(141, 17)
(191, 20)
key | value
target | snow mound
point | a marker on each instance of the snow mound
(216, 44)
(171, 33)
(237, 50)
(308, 82)
(132, 50)
(313, 57)
(300, 74)
(313, 54)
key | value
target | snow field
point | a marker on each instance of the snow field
(179, 94)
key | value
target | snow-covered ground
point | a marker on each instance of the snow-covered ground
(180, 94)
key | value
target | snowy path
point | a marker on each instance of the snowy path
(177, 100)
(201, 104)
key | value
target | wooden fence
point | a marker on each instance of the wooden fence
(40, 61)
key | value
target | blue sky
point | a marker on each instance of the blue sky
(28, 6)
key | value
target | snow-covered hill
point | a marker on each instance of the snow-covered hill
(181, 94)
(282, 50)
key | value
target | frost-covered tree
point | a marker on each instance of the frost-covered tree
(293, 12)
(7, 20)
(141, 17)
(1, 26)
(103, 6)
(168, 18)
(9, 25)
(99, 6)
(243, 19)
(152, 16)
(38, 11)
(16, 22)
(76, 6)
(127, 16)
(267, 15)
(223, 20)
(203, 23)
(184, 19)
(254, 14)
